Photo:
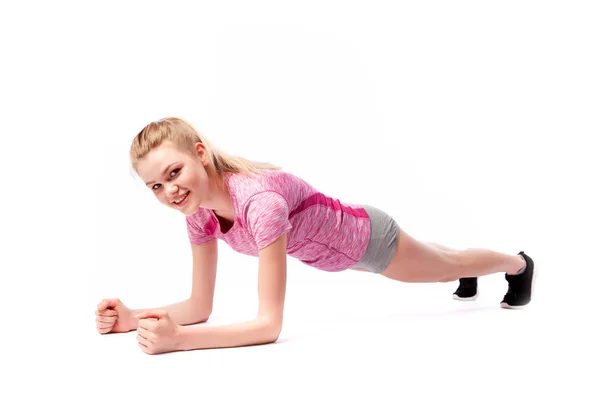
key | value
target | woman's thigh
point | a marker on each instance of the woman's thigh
(416, 261)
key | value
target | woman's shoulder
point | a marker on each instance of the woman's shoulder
(267, 180)
(290, 186)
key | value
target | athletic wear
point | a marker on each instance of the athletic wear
(467, 289)
(382, 243)
(323, 232)
(520, 285)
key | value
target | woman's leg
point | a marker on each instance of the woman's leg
(441, 247)
(467, 289)
(416, 261)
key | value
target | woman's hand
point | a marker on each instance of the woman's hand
(113, 316)
(156, 332)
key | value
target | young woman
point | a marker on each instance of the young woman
(264, 212)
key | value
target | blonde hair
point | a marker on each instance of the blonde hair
(184, 136)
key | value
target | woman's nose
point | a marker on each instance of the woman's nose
(173, 189)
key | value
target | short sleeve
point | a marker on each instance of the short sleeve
(196, 234)
(267, 217)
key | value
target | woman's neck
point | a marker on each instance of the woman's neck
(220, 201)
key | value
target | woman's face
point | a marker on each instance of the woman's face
(177, 179)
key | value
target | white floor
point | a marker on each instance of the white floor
(350, 334)
(344, 334)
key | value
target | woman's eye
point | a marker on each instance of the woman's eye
(174, 172)
(155, 187)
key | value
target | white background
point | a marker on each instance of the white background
(473, 123)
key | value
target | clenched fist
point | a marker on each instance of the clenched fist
(113, 316)
(157, 333)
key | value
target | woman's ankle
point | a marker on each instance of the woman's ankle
(518, 266)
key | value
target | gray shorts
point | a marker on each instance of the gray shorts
(382, 243)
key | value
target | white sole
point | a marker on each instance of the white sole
(533, 279)
(472, 298)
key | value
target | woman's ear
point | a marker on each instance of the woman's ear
(201, 152)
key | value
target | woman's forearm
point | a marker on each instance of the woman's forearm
(185, 312)
(256, 331)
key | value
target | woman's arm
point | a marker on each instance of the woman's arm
(185, 312)
(198, 307)
(265, 328)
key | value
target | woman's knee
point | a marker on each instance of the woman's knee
(455, 266)
(418, 262)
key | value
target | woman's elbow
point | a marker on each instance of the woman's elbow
(199, 310)
(203, 318)
(273, 328)
(204, 314)
(201, 314)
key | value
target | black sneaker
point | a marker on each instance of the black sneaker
(467, 290)
(519, 286)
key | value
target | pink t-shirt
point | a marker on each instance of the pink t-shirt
(323, 232)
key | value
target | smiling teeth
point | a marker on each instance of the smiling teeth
(181, 198)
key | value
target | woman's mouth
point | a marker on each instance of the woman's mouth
(181, 200)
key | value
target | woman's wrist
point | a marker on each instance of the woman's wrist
(181, 337)
(132, 322)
